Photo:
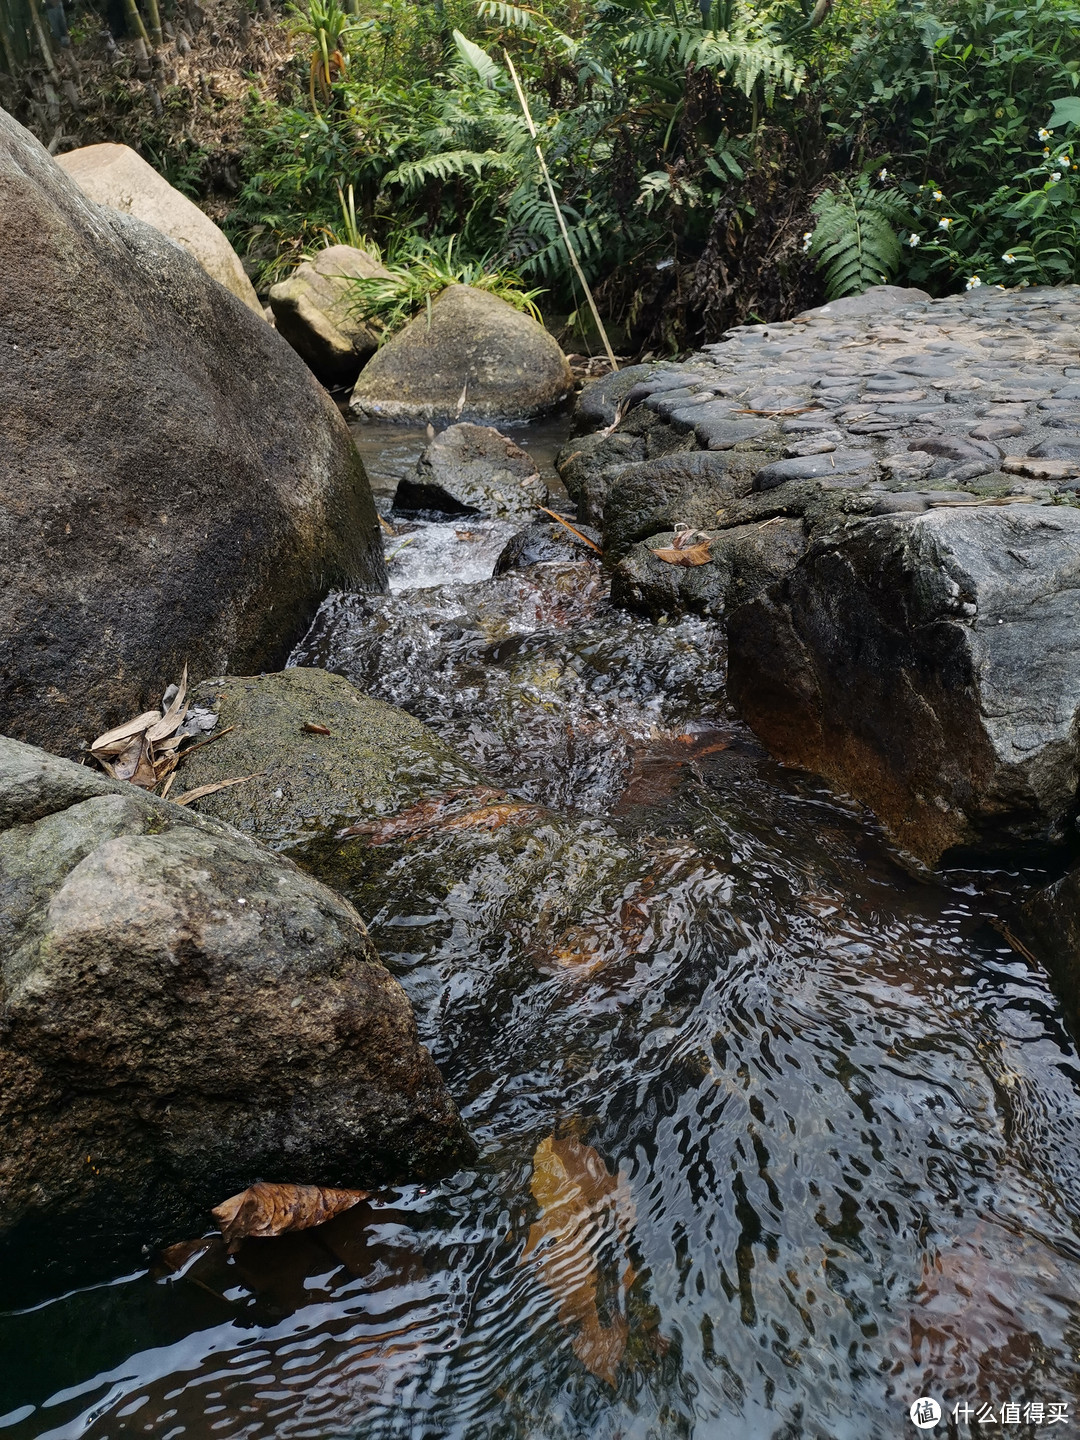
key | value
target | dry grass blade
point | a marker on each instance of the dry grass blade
(115, 742)
(774, 414)
(202, 790)
(174, 715)
(572, 528)
(263, 1210)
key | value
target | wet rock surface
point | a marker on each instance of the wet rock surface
(915, 459)
(174, 484)
(473, 470)
(375, 760)
(183, 1013)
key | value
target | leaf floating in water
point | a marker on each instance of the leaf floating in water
(581, 1204)
(490, 810)
(263, 1210)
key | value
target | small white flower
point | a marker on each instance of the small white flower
(938, 195)
(1064, 161)
(1046, 154)
(944, 223)
(1044, 134)
(1009, 258)
(1056, 176)
(973, 283)
(883, 174)
(913, 239)
(808, 235)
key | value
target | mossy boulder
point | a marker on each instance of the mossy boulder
(375, 761)
(182, 1013)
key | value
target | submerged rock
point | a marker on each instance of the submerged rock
(929, 664)
(375, 760)
(314, 310)
(473, 470)
(174, 484)
(183, 1013)
(1050, 922)
(118, 176)
(473, 357)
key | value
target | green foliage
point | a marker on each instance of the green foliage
(855, 241)
(419, 272)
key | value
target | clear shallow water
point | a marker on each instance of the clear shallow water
(773, 1137)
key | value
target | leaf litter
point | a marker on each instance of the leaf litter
(146, 750)
(263, 1211)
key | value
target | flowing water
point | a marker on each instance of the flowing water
(773, 1137)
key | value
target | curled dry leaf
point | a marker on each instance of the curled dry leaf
(264, 1210)
(114, 742)
(697, 554)
(310, 729)
(582, 1208)
(174, 715)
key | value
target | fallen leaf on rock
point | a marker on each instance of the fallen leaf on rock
(697, 554)
(310, 729)
(113, 742)
(174, 715)
(582, 1205)
(202, 790)
(264, 1210)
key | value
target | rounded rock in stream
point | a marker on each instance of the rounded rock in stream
(184, 1013)
(472, 357)
(473, 470)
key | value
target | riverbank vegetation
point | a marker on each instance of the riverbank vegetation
(713, 163)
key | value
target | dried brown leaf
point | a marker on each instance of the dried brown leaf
(201, 790)
(113, 742)
(145, 776)
(580, 1202)
(174, 715)
(127, 762)
(310, 729)
(697, 554)
(265, 1210)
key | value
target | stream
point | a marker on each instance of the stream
(773, 1136)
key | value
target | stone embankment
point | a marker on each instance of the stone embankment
(889, 485)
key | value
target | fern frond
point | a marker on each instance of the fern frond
(855, 242)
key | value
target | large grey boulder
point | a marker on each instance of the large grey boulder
(315, 309)
(473, 357)
(174, 484)
(118, 176)
(928, 664)
(472, 469)
(183, 1013)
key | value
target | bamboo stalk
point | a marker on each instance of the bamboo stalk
(134, 22)
(154, 15)
(43, 41)
(558, 212)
